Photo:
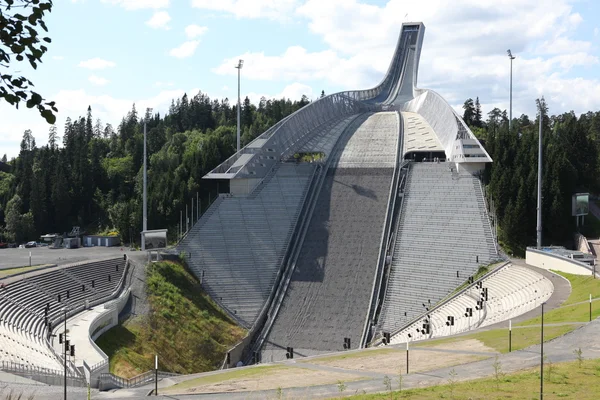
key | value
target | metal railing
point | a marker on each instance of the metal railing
(295, 244)
(40, 374)
(139, 380)
(488, 217)
(385, 236)
(260, 320)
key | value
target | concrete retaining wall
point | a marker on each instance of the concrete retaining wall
(581, 243)
(101, 324)
(548, 261)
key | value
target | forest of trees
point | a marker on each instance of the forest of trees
(94, 180)
(571, 163)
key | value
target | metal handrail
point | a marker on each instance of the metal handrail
(307, 208)
(487, 216)
(385, 235)
(127, 383)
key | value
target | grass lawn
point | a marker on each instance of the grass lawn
(524, 337)
(119, 345)
(185, 328)
(235, 373)
(582, 287)
(561, 380)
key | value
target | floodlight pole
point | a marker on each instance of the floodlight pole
(539, 188)
(145, 218)
(65, 351)
(510, 107)
(542, 358)
(156, 375)
(239, 68)
(510, 335)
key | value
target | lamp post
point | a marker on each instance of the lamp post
(65, 351)
(510, 335)
(156, 374)
(239, 68)
(542, 357)
(145, 200)
(539, 187)
(511, 57)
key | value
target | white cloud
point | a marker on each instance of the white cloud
(296, 63)
(159, 20)
(139, 4)
(193, 31)
(96, 63)
(464, 51)
(271, 9)
(58, 58)
(596, 32)
(97, 80)
(187, 49)
(163, 84)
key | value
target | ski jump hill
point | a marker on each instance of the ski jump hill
(385, 221)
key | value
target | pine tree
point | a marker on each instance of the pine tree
(4, 158)
(89, 128)
(52, 137)
(247, 113)
(469, 114)
(98, 129)
(477, 121)
(322, 94)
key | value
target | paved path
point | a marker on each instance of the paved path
(14, 258)
(561, 349)
(557, 350)
(79, 328)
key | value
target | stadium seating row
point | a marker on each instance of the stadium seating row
(23, 319)
(442, 238)
(511, 291)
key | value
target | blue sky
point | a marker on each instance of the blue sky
(112, 53)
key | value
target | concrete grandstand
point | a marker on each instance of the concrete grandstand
(34, 304)
(325, 255)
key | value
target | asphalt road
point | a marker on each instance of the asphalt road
(14, 258)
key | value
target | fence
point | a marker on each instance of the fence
(385, 237)
(44, 375)
(109, 381)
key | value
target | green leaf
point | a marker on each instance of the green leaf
(49, 116)
(37, 99)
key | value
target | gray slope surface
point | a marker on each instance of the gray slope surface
(329, 293)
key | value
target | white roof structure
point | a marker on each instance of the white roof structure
(444, 130)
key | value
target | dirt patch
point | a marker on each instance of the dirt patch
(421, 359)
(271, 379)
